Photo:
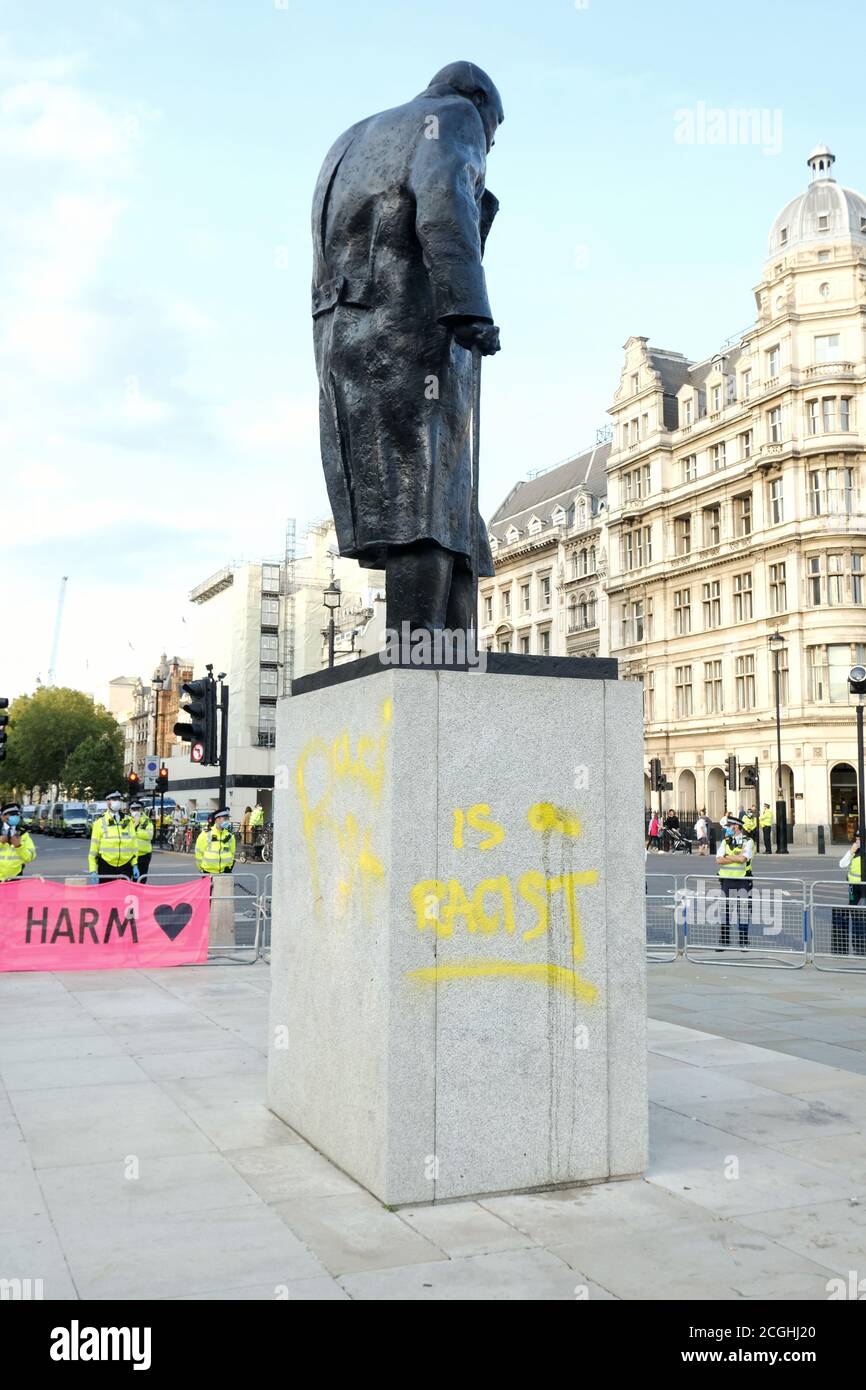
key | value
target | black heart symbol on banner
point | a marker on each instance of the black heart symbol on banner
(173, 919)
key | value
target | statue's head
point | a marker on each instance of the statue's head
(473, 83)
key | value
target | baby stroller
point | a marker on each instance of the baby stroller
(675, 842)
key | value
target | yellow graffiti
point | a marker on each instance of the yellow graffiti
(556, 976)
(478, 818)
(361, 766)
(544, 816)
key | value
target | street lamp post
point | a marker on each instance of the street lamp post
(857, 687)
(157, 684)
(331, 598)
(777, 646)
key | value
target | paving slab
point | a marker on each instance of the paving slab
(355, 1232)
(833, 1233)
(521, 1276)
(291, 1171)
(464, 1228)
(121, 1190)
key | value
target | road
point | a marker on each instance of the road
(809, 867)
(61, 857)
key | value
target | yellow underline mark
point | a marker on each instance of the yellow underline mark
(557, 976)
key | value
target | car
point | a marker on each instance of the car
(70, 818)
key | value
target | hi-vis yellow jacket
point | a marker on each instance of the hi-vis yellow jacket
(215, 851)
(112, 839)
(143, 833)
(14, 857)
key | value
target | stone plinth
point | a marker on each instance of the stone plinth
(458, 960)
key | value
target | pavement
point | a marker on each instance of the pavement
(140, 1161)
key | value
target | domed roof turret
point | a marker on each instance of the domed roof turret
(825, 212)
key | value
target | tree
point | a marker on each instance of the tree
(97, 763)
(46, 728)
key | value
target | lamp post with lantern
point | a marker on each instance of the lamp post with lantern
(777, 646)
(331, 598)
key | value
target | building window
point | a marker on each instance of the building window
(831, 491)
(742, 598)
(746, 384)
(777, 502)
(835, 579)
(506, 603)
(683, 535)
(544, 636)
(649, 696)
(743, 514)
(717, 398)
(712, 602)
(730, 389)
(844, 413)
(270, 612)
(646, 479)
(683, 687)
(545, 591)
(713, 700)
(745, 682)
(524, 645)
(592, 559)
(690, 468)
(635, 382)
(488, 608)
(702, 404)
(712, 518)
(814, 419)
(778, 589)
(827, 348)
(633, 544)
(270, 579)
(687, 412)
(268, 683)
(717, 455)
(774, 418)
(682, 612)
(270, 647)
(828, 414)
(524, 598)
(774, 358)
(746, 444)
(857, 577)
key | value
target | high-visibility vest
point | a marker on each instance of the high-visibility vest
(257, 818)
(749, 822)
(215, 851)
(726, 868)
(114, 841)
(143, 835)
(14, 857)
(766, 819)
(854, 870)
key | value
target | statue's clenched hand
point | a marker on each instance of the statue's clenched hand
(473, 333)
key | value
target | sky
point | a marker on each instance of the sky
(158, 399)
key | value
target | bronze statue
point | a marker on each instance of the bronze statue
(400, 217)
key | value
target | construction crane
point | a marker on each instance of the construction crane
(56, 643)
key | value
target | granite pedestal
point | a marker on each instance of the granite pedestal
(458, 961)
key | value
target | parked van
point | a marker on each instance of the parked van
(40, 820)
(70, 818)
(28, 815)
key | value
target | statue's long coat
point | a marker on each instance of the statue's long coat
(400, 215)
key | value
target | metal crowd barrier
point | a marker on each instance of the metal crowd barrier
(838, 929)
(767, 928)
(662, 934)
(265, 900)
(663, 885)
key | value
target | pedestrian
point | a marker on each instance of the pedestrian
(245, 824)
(215, 847)
(143, 826)
(113, 843)
(672, 822)
(653, 837)
(750, 825)
(734, 858)
(702, 831)
(766, 827)
(257, 821)
(849, 928)
(16, 845)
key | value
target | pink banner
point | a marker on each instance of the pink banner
(111, 926)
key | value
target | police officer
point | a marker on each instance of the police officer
(734, 858)
(750, 825)
(16, 846)
(143, 827)
(215, 847)
(766, 823)
(113, 844)
(850, 925)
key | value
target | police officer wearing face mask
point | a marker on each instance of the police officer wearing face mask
(16, 846)
(215, 847)
(143, 835)
(113, 844)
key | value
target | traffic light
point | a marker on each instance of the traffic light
(750, 775)
(133, 784)
(162, 781)
(4, 720)
(202, 710)
(731, 771)
(656, 778)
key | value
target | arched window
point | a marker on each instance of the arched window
(572, 614)
(573, 573)
(591, 608)
(592, 560)
(583, 562)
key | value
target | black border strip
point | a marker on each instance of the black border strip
(585, 668)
